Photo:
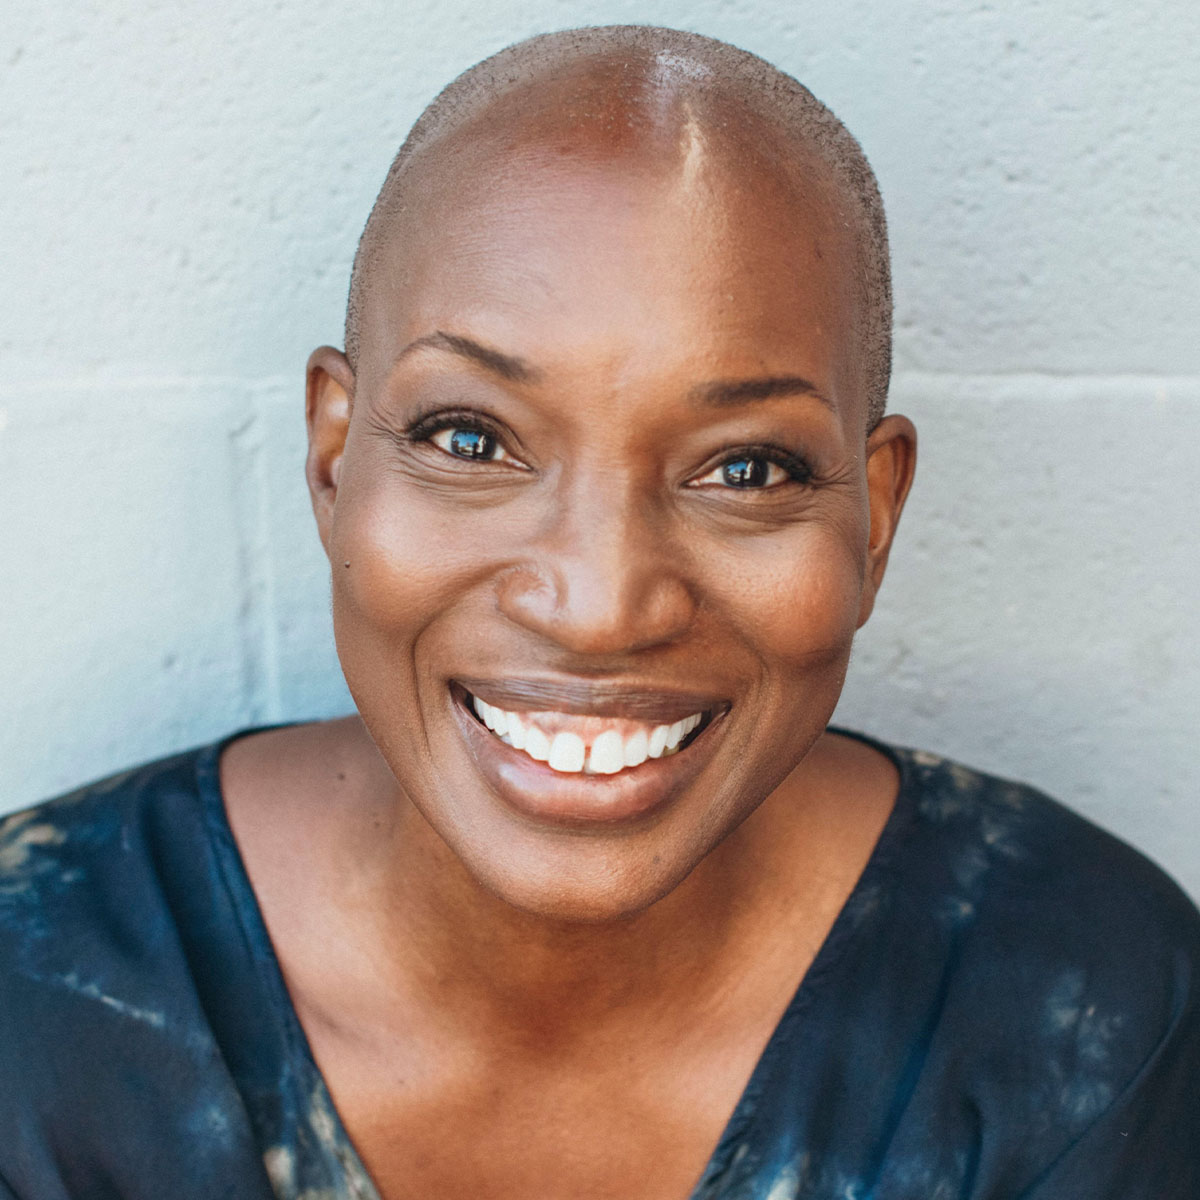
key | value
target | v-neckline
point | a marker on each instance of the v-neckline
(329, 1130)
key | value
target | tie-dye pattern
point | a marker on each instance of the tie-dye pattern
(1005, 1009)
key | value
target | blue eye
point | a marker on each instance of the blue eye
(464, 436)
(472, 443)
(746, 473)
(476, 445)
(754, 468)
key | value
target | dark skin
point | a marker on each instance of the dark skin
(519, 982)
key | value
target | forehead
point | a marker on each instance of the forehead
(634, 231)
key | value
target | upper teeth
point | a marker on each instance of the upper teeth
(610, 750)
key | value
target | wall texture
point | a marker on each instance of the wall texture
(184, 183)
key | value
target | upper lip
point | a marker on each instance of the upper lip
(636, 701)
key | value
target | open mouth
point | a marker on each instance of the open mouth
(574, 743)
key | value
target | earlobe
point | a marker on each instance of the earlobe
(329, 400)
(891, 464)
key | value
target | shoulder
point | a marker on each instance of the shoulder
(1076, 977)
(74, 837)
(1018, 859)
(83, 878)
(116, 925)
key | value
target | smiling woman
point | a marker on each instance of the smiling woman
(643, 493)
(586, 899)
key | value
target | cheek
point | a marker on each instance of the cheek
(796, 599)
(407, 558)
(403, 570)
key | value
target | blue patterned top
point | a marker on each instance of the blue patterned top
(1005, 1009)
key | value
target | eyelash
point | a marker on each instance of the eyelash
(798, 470)
(423, 428)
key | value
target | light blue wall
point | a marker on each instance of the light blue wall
(184, 183)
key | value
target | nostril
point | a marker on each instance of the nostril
(599, 613)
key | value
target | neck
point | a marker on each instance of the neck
(472, 949)
(391, 924)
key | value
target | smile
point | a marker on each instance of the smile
(575, 743)
(587, 754)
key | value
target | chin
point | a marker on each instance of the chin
(580, 799)
(580, 886)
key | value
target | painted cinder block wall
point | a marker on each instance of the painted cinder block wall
(184, 184)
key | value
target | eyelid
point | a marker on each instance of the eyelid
(425, 424)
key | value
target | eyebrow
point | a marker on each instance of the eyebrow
(515, 370)
(731, 393)
(719, 394)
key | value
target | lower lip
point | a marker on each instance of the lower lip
(542, 794)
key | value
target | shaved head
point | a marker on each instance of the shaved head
(635, 90)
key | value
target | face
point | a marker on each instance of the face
(601, 511)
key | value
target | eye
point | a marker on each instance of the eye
(746, 473)
(473, 443)
(754, 471)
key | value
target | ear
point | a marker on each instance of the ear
(330, 398)
(891, 462)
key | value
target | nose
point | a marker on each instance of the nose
(601, 579)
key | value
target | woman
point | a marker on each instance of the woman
(586, 900)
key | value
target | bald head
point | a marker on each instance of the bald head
(634, 90)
